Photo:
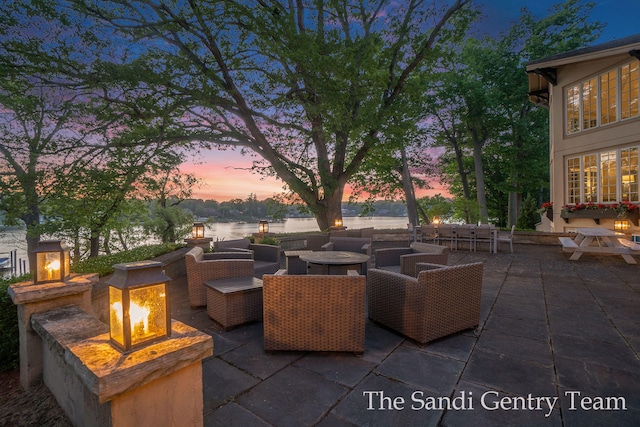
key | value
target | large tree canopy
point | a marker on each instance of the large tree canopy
(311, 87)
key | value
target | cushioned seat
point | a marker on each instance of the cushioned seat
(403, 260)
(266, 257)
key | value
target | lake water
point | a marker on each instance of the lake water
(14, 240)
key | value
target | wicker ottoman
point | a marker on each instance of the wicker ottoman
(234, 301)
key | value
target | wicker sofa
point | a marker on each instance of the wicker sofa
(314, 312)
(441, 301)
(404, 260)
(212, 266)
(266, 257)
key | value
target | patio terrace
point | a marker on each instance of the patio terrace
(550, 328)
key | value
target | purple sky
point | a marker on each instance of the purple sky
(224, 181)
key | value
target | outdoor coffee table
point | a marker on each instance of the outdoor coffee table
(234, 301)
(335, 262)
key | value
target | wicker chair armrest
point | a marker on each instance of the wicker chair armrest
(408, 262)
(237, 250)
(327, 246)
(390, 256)
(366, 249)
(265, 252)
(228, 255)
(281, 272)
(423, 266)
(352, 273)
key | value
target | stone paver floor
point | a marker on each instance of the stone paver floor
(559, 344)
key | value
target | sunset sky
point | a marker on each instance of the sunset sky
(224, 174)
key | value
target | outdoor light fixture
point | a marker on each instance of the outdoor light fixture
(436, 220)
(263, 227)
(197, 231)
(338, 222)
(139, 312)
(621, 225)
(52, 261)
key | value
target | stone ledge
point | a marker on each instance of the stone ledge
(27, 292)
(107, 372)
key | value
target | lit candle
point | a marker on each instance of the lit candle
(51, 267)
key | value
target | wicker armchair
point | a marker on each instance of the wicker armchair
(314, 312)
(441, 301)
(404, 260)
(266, 257)
(212, 266)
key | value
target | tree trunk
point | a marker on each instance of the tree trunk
(409, 193)
(327, 210)
(481, 195)
(94, 244)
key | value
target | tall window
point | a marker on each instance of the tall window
(573, 180)
(573, 109)
(606, 177)
(607, 98)
(589, 104)
(629, 90)
(629, 174)
(590, 164)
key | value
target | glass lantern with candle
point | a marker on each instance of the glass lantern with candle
(337, 222)
(53, 261)
(263, 227)
(139, 312)
(197, 231)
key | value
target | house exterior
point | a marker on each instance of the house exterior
(594, 116)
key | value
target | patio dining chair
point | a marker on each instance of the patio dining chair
(466, 233)
(507, 238)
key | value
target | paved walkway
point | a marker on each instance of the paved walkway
(559, 345)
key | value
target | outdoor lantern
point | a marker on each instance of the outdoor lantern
(436, 220)
(139, 312)
(621, 225)
(263, 227)
(338, 222)
(197, 232)
(52, 261)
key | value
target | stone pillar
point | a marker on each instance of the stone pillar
(97, 385)
(30, 299)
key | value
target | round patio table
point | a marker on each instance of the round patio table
(335, 262)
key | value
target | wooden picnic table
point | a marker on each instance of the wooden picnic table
(596, 240)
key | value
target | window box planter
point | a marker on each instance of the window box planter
(597, 214)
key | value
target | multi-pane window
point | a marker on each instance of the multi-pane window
(629, 174)
(590, 181)
(589, 104)
(573, 109)
(606, 177)
(629, 90)
(610, 97)
(573, 180)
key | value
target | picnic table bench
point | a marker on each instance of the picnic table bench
(606, 242)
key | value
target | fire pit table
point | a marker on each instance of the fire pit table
(335, 262)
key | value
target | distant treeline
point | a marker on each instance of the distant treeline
(251, 208)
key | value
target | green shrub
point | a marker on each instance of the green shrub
(9, 341)
(103, 265)
(269, 240)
